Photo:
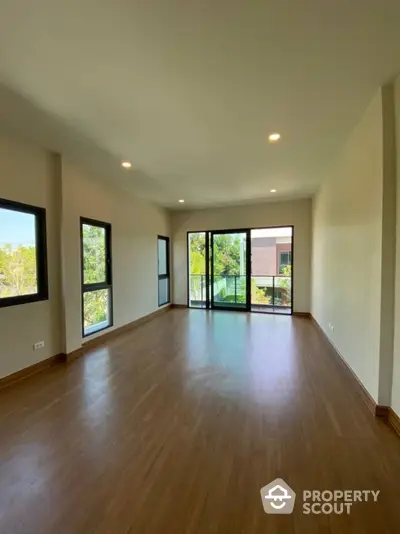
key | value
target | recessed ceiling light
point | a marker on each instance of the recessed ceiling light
(181, 201)
(274, 137)
(126, 164)
(273, 190)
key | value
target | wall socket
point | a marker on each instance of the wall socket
(331, 327)
(38, 345)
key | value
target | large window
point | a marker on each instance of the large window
(96, 276)
(163, 271)
(23, 264)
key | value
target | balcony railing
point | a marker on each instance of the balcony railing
(269, 291)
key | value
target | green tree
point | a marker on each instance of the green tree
(95, 307)
(94, 254)
(18, 274)
(258, 295)
(197, 253)
(226, 255)
(285, 282)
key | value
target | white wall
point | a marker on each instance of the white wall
(36, 177)
(135, 226)
(347, 248)
(26, 175)
(297, 213)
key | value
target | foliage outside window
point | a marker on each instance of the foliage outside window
(96, 276)
(23, 269)
(283, 296)
(198, 291)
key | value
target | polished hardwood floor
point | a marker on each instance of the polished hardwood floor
(174, 427)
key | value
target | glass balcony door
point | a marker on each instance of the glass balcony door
(198, 269)
(271, 269)
(230, 262)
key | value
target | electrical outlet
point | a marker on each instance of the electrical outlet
(38, 345)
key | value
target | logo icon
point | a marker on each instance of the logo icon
(278, 497)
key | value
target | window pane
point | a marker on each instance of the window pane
(283, 291)
(96, 310)
(163, 291)
(18, 265)
(285, 261)
(94, 254)
(197, 269)
(162, 256)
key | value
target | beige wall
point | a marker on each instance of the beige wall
(297, 213)
(396, 363)
(26, 175)
(36, 177)
(347, 250)
(135, 226)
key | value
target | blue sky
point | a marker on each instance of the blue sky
(16, 228)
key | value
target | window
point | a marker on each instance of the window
(96, 276)
(23, 261)
(163, 270)
(285, 260)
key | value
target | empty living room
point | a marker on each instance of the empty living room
(199, 267)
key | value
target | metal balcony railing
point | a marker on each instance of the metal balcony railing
(266, 291)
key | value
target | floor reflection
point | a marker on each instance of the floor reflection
(241, 353)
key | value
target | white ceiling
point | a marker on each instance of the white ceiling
(188, 90)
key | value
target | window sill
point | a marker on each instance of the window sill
(96, 328)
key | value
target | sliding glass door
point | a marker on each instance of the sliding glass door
(271, 270)
(230, 262)
(248, 269)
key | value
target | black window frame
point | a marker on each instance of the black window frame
(41, 254)
(168, 273)
(97, 286)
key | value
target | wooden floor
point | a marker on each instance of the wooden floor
(174, 427)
